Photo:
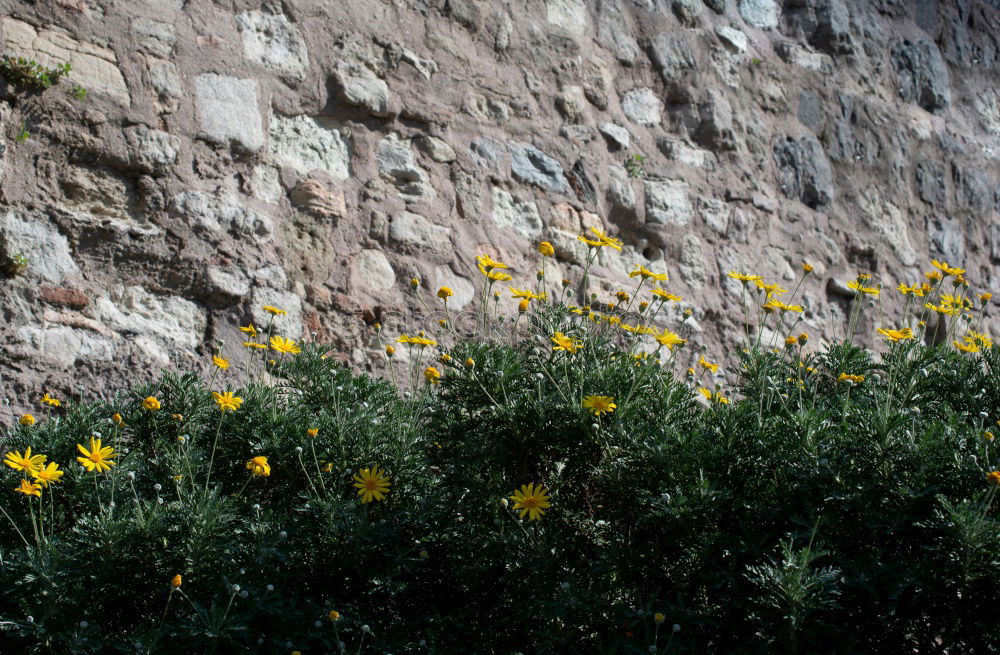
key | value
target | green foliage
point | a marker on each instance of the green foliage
(28, 74)
(16, 264)
(22, 134)
(807, 515)
(633, 166)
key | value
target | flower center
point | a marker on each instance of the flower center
(530, 502)
(371, 484)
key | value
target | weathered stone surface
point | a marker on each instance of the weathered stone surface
(931, 185)
(522, 217)
(166, 83)
(312, 197)
(732, 38)
(572, 104)
(668, 202)
(228, 112)
(94, 67)
(803, 170)
(718, 6)
(169, 320)
(47, 250)
(760, 13)
(672, 56)
(219, 213)
(973, 188)
(272, 41)
(67, 346)
(887, 220)
(923, 75)
(226, 285)
(437, 149)
(568, 15)
(615, 34)
(617, 135)
(642, 106)
(530, 165)
(308, 143)
(715, 130)
(397, 164)
(151, 151)
(370, 269)
(360, 87)
(947, 238)
(620, 190)
(687, 11)
(692, 262)
(154, 37)
(413, 233)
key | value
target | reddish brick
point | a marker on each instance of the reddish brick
(62, 296)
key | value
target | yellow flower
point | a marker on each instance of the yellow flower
(151, 403)
(526, 294)
(259, 467)
(660, 293)
(803, 339)
(979, 338)
(895, 336)
(371, 484)
(708, 365)
(444, 293)
(966, 347)
(282, 345)
(659, 618)
(27, 419)
(569, 344)
(648, 274)
(221, 362)
(599, 404)
(175, 582)
(621, 296)
(488, 267)
(416, 341)
(97, 458)
(274, 311)
(934, 276)
(469, 362)
(523, 306)
(531, 499)
(177, 417)
(27, 462)
(50, 401)
(947, 270)
(389, 351)
(432, 375)
(227, 402)
(414, 282)
(48, 475)
(744, 278)
(993, 477)
(312, 432)
(988, 436)
(846, 377)
(546, 249)
(774, 303)
(807, 268)
(858, 286)
(905, 290)
(602, 240)
(769, 289)
(669, 339)
(791, 342)
(249, 329)
(116, 418)
(29, 489)
(716, 396)
(334, 615)
(254, 344)
(985, 297)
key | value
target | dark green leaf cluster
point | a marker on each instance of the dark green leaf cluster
(28, 74)
(806, 515)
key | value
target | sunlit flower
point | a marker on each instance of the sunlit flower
(489, 267)
(905, 290)
(29, 488)
(249, 329)
(934, 276)
(947, 270)
(220, 362)
(527, 294)
(259, 467)
(470, 363)
(563, 342)
(282, 345)
(312, 432)
(669, 339)
(859, 286)
(151, 403)
(979, 338)
(389, 351)
(416, 341)
(97, 458)
(602, 240)
(895, 336)
(743, 277)
(803, 339)
(414, 282)
(647, 274)
(372, 484)
(599, 405)
(807, 268)
(254, 344)
(227, 402)
(432, 375)
(546, 249)
(994, 477)
(770, 289)
(50, 474)
(274, 311)
(846, 377)
(27, 419)
(444, 293)
(661, 293)
(50, 401)
(117, 419)
(27, 462)
(705, 364)
(985, 297)
(791, 342)
(966, 347)
(176, 581)
(531, 499)
(713, 396)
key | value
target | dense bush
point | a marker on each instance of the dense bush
(803, 510)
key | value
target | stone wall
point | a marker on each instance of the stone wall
(316, 155)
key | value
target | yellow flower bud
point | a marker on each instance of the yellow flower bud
(546, 249)
(175, 582)
(27, 419)
(389, 351)
(523, 305)
(469, 362)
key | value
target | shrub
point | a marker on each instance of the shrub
(561, 491)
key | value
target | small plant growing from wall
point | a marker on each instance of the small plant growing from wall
(22, 133)
(16, 264)
(28, 74)
(633, 166)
